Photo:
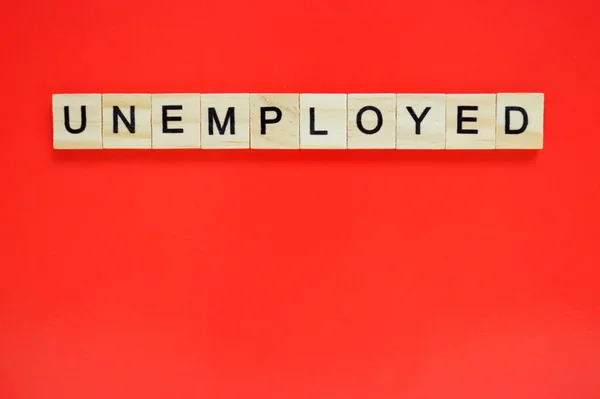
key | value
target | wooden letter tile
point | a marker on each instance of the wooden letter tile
(225, 120)
(275, 121)
(77, 121)
(421, 121)
(126, 121)
(371, 121)
(323, 121)
(471, 121)
(525, 113)
(176, 121)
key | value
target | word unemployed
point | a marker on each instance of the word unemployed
(292, 121)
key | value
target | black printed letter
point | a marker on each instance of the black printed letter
(507, 128)
(214, 118)
(68, 121)
(118, 114)
(312, 124)
(359, 120)
(462, 119)
(418, 119)
(264, 121)
(166, 118)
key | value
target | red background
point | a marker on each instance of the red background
(299, 274)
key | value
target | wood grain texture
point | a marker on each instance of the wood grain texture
(283, 121)
(330, 114)
(430, 111)
(485, 124)
(123, 138)
(236, 133)
(186, 121)
(385, 136)
(91, 136)
(281, 135)
(533, 136)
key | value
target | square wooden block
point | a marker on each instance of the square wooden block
(371, 121)
(77, 121)
(126, 121)
(520, 121)
(275, 121)
(471, 121)
(323, 121)
(421, 121)
(225, 120)
(176, 121)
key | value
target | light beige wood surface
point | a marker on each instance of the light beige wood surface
(88, 138)
(330, 114)
(485, 124)
(533, 136)
(287, 121)
(186, 119)
(142, 137)
(383, 138)
(236, 130)
(430, 111)
(281, 135)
